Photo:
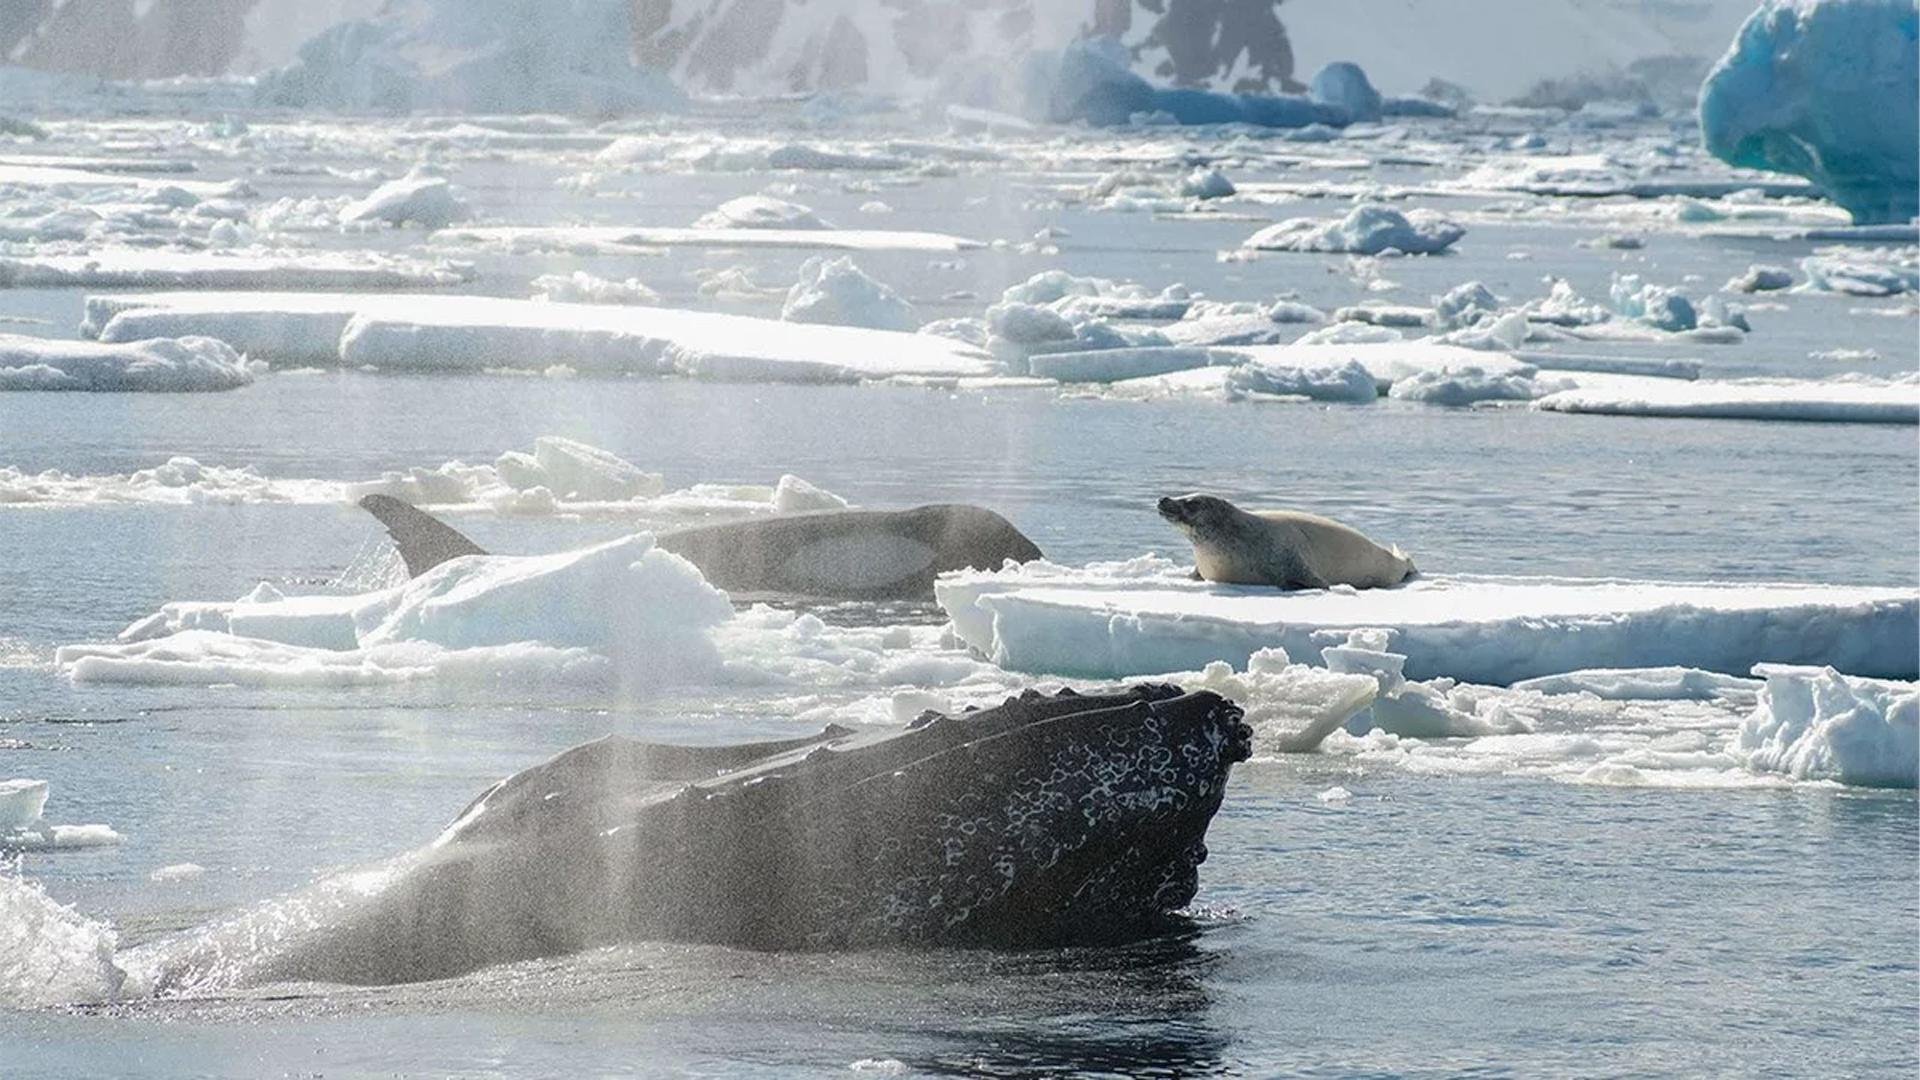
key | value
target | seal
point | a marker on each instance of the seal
(1283, 548)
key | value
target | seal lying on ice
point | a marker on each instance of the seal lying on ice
(835, 554)
(1282, 548)
(1044, 821)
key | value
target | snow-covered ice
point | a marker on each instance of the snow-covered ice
(1817, 724)
(418, 198)
(471, 333)
(1121, 619)
(181, 364)
(145, 268)
(1856, 399)
(618, 240)
(581, 287)
(760, 212)
(838, 293)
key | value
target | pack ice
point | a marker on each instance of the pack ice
(179, 364)
(1117, 620)
(473, 333)
(1828, 90)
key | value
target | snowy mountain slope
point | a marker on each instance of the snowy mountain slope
(162, 38)
(1494, 48)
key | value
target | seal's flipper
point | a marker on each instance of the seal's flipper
(424, 540)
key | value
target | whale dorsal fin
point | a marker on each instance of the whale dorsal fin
(424, 540)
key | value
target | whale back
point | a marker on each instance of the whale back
(833, 554)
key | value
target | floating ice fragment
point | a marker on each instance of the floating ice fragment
(837, 292)
(1370, 229)
(1817, 724)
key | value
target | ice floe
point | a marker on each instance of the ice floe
(1663, 727)
(144, 268)
(760, 212)
(581, 287)
(838, 293)
(1844, 399)
(558, 476)
(621, 240)
(1817, 724)
(1889, 272)
(1141, 617)
(22, 827)
(183, 364)
(1366, 230)
(621, 617)
(418, 198)
(472, 333)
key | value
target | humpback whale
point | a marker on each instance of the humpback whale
(1044, 821)
(834, 554)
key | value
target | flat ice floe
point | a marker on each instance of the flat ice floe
(1848, 400)
(57, 178)
(1117, 620)
(476, 333)
(152, 269)
(559, 477)
(183, 364)
(621, 240)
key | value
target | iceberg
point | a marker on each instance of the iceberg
(1344, 86)
(476, 333)
(1828, 90)
(1146, 616)
(183, 364)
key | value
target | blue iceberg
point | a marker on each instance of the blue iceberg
(1828, 90)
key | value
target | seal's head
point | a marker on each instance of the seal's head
(1197, 512)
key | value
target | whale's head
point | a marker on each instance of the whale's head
(1045, 820)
